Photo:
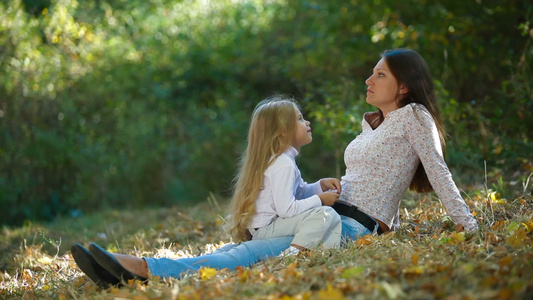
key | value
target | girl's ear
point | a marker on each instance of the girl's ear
(403, 89)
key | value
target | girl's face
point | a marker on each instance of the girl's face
(302, 134)
(383, 88)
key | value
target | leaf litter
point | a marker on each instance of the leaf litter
(428, 258)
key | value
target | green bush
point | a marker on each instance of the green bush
(135, 103)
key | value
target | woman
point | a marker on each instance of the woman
(401, 147)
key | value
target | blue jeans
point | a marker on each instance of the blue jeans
(243, 254)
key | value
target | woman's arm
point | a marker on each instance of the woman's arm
(423, 135)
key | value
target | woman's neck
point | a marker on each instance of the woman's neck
(373, 119)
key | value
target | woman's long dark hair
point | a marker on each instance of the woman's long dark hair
(410, 69)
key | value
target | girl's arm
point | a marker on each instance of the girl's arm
(422, 133)
(327, 184)
(283, 182)
(306, 190)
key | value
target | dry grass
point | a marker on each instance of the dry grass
(428, 258)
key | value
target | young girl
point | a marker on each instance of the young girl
(270, 198)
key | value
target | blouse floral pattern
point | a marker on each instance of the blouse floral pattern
(381, 163)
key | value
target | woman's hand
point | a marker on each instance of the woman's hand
(330, 184)
(329, 198)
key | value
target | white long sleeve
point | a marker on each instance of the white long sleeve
(285, 193)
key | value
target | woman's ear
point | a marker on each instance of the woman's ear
(403, 89)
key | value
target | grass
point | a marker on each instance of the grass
(428, 258)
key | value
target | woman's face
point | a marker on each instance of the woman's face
(383, 88)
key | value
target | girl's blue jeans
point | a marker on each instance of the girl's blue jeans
(243, 254)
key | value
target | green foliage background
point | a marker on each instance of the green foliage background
(130, 103)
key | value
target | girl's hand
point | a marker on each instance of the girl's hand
(329, 198)
(328, 184)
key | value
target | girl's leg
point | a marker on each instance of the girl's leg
(319, 225)
(230, 256)
(333, 234)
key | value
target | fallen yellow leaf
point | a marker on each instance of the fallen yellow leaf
(330, 293)
(528, 225)
(207, 273)
(245, 275)
(365, 240)
(495, 198)
(414, 258)
(458, 237)
(454, 239)
(414, 270)
(353, 272)
(499, 225)
(518, 238)
(45, 260)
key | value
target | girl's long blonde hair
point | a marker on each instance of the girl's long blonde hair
(270, 134)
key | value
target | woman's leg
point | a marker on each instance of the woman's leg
(230, 256)
(352, 230)
(133, 264)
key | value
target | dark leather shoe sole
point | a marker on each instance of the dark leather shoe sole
(91, 268)
(111, 264)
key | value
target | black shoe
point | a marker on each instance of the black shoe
(111, 264)
(91, 268)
